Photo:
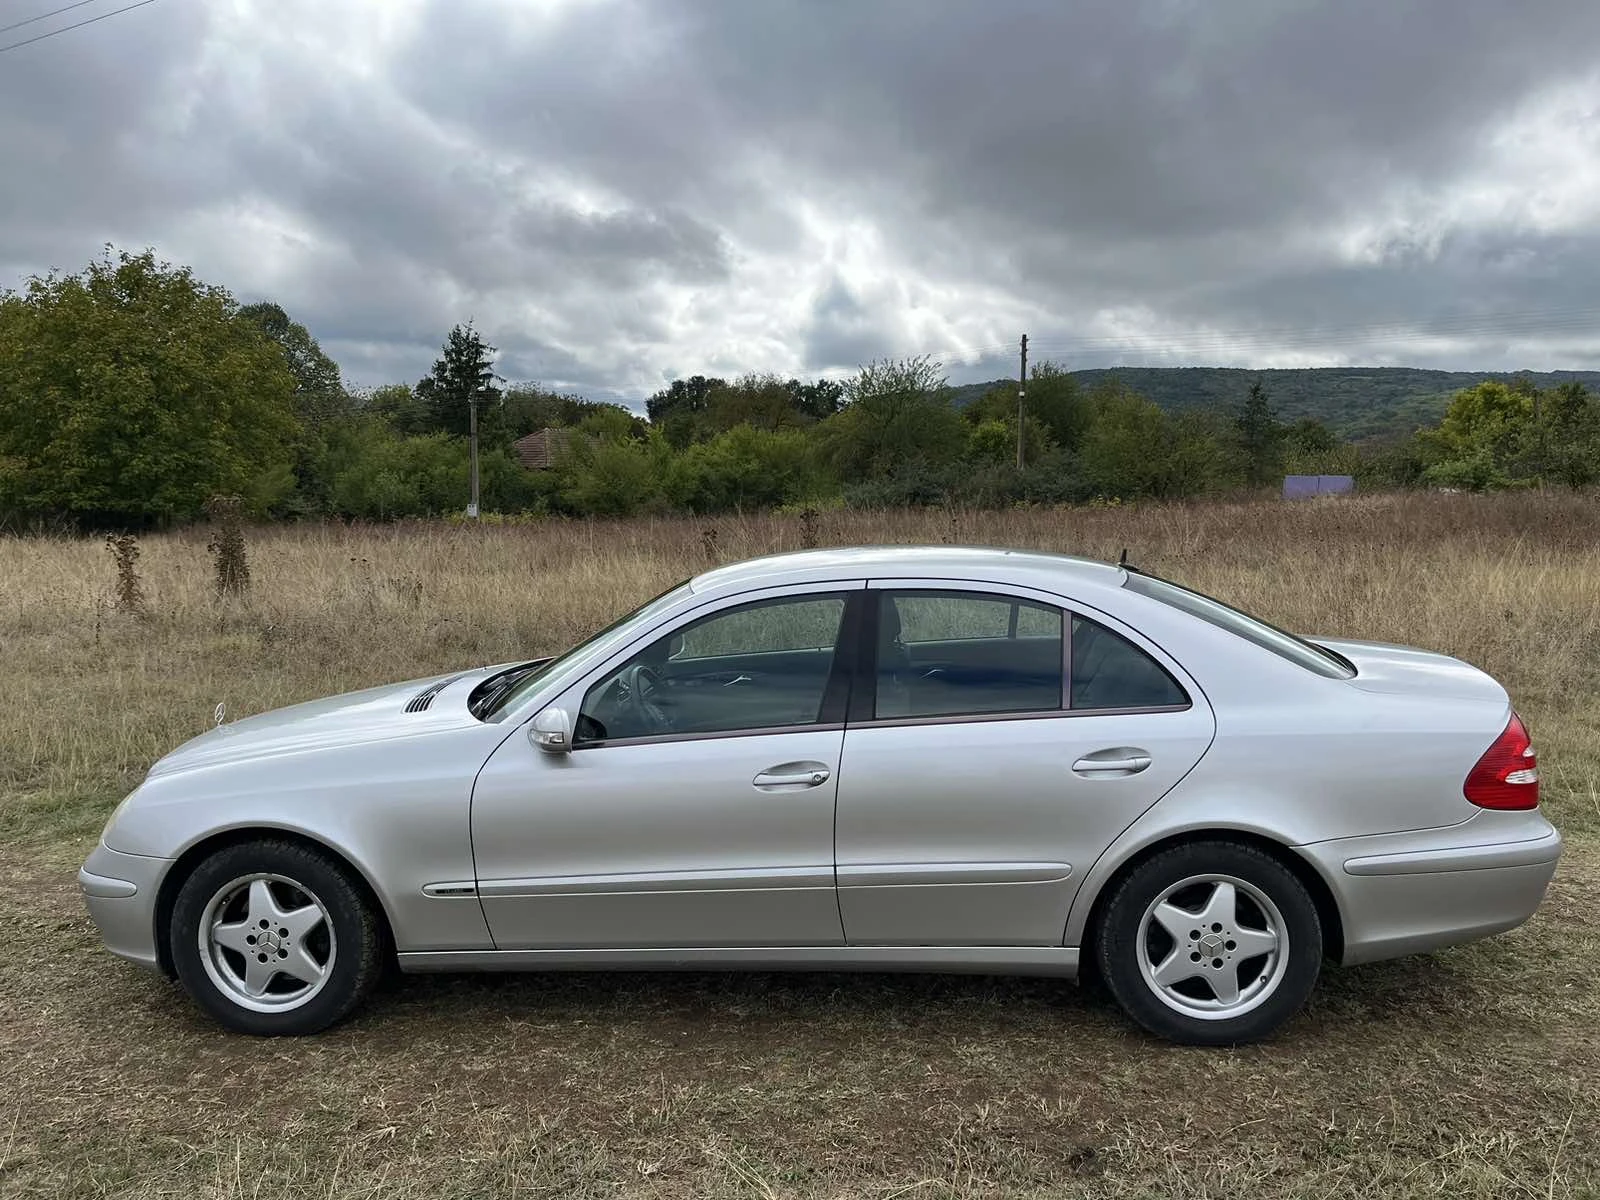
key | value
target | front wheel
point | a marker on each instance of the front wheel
(1210, 943)
(273, 938)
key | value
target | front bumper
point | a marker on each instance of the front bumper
(1414, 892)
(120, 891)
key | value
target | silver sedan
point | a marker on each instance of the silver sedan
(898, 758)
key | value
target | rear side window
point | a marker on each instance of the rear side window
(1108, 671)
(943, 654)
(1268, 637)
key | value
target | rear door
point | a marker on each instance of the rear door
(997, 744)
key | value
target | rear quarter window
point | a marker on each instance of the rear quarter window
(1110, 672)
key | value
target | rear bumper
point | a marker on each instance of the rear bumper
(120, 892)
(1397, 896)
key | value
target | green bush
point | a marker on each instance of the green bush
(745, 469)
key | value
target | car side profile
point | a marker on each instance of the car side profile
(879, 758)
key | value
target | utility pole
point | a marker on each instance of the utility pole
(1022, 387)
(472, 421)
(1538, 423)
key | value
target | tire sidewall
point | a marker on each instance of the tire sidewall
(1117, 942)
(355, 962)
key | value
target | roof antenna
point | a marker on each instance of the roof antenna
(1123, 561)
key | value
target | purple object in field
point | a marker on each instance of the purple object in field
(1299, 487)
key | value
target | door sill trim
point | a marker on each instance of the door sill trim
(1061, 961)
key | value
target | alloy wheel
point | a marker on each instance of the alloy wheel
(267, 942)
(1213, 947)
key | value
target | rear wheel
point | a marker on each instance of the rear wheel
(1210, 943)
(274, 938)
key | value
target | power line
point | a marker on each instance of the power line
(69, 28)
(43, 16)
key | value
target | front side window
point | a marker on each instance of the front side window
(757, 666)
(954, 653)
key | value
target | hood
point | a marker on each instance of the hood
(372, 715)
(1407, 671)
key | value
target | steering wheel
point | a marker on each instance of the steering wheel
(640, 685)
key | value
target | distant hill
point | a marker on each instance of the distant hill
(1354, 402)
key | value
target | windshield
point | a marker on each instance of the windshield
(527, 682)
(1268, 637)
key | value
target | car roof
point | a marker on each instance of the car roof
(972, 563)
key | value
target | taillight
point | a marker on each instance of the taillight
(1507, 776)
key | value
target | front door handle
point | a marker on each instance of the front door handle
(1124, 760)
(789, 776)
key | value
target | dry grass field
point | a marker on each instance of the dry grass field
(1470, 1073)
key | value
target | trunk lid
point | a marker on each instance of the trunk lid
(1408, 671)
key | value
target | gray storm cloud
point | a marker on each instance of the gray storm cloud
(620, 192)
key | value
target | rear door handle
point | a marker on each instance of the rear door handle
(1122, 761)
(789, 776)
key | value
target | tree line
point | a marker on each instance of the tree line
(132, 393)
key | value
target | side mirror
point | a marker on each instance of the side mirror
(552, 731)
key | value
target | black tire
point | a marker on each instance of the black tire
(1118, 952)
(356, 941)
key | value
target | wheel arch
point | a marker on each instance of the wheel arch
(186, 863)
(1321, 892)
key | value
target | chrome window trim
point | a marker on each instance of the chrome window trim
(652, 739)
(1037, 714)
(1045, 714)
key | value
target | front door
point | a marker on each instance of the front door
(696, 808)
(995, 763)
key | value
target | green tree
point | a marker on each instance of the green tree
(1196, 454)
(1310, 448)
(378, 474)
(397, 404)
(319, 399)
(319, 392)
(895, 418)
(760, 401)
(614, 477)
(1259, 436)
(1480, 443)
(1569, 434)
(1125, 446)
(678, 410)
(526, 408)
(462, 376)
(132, 392)
(1308, 437)
(817, 400)
(1053, 401)
(994, 441)
(612, 422)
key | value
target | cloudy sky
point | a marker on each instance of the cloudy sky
(621, 191)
